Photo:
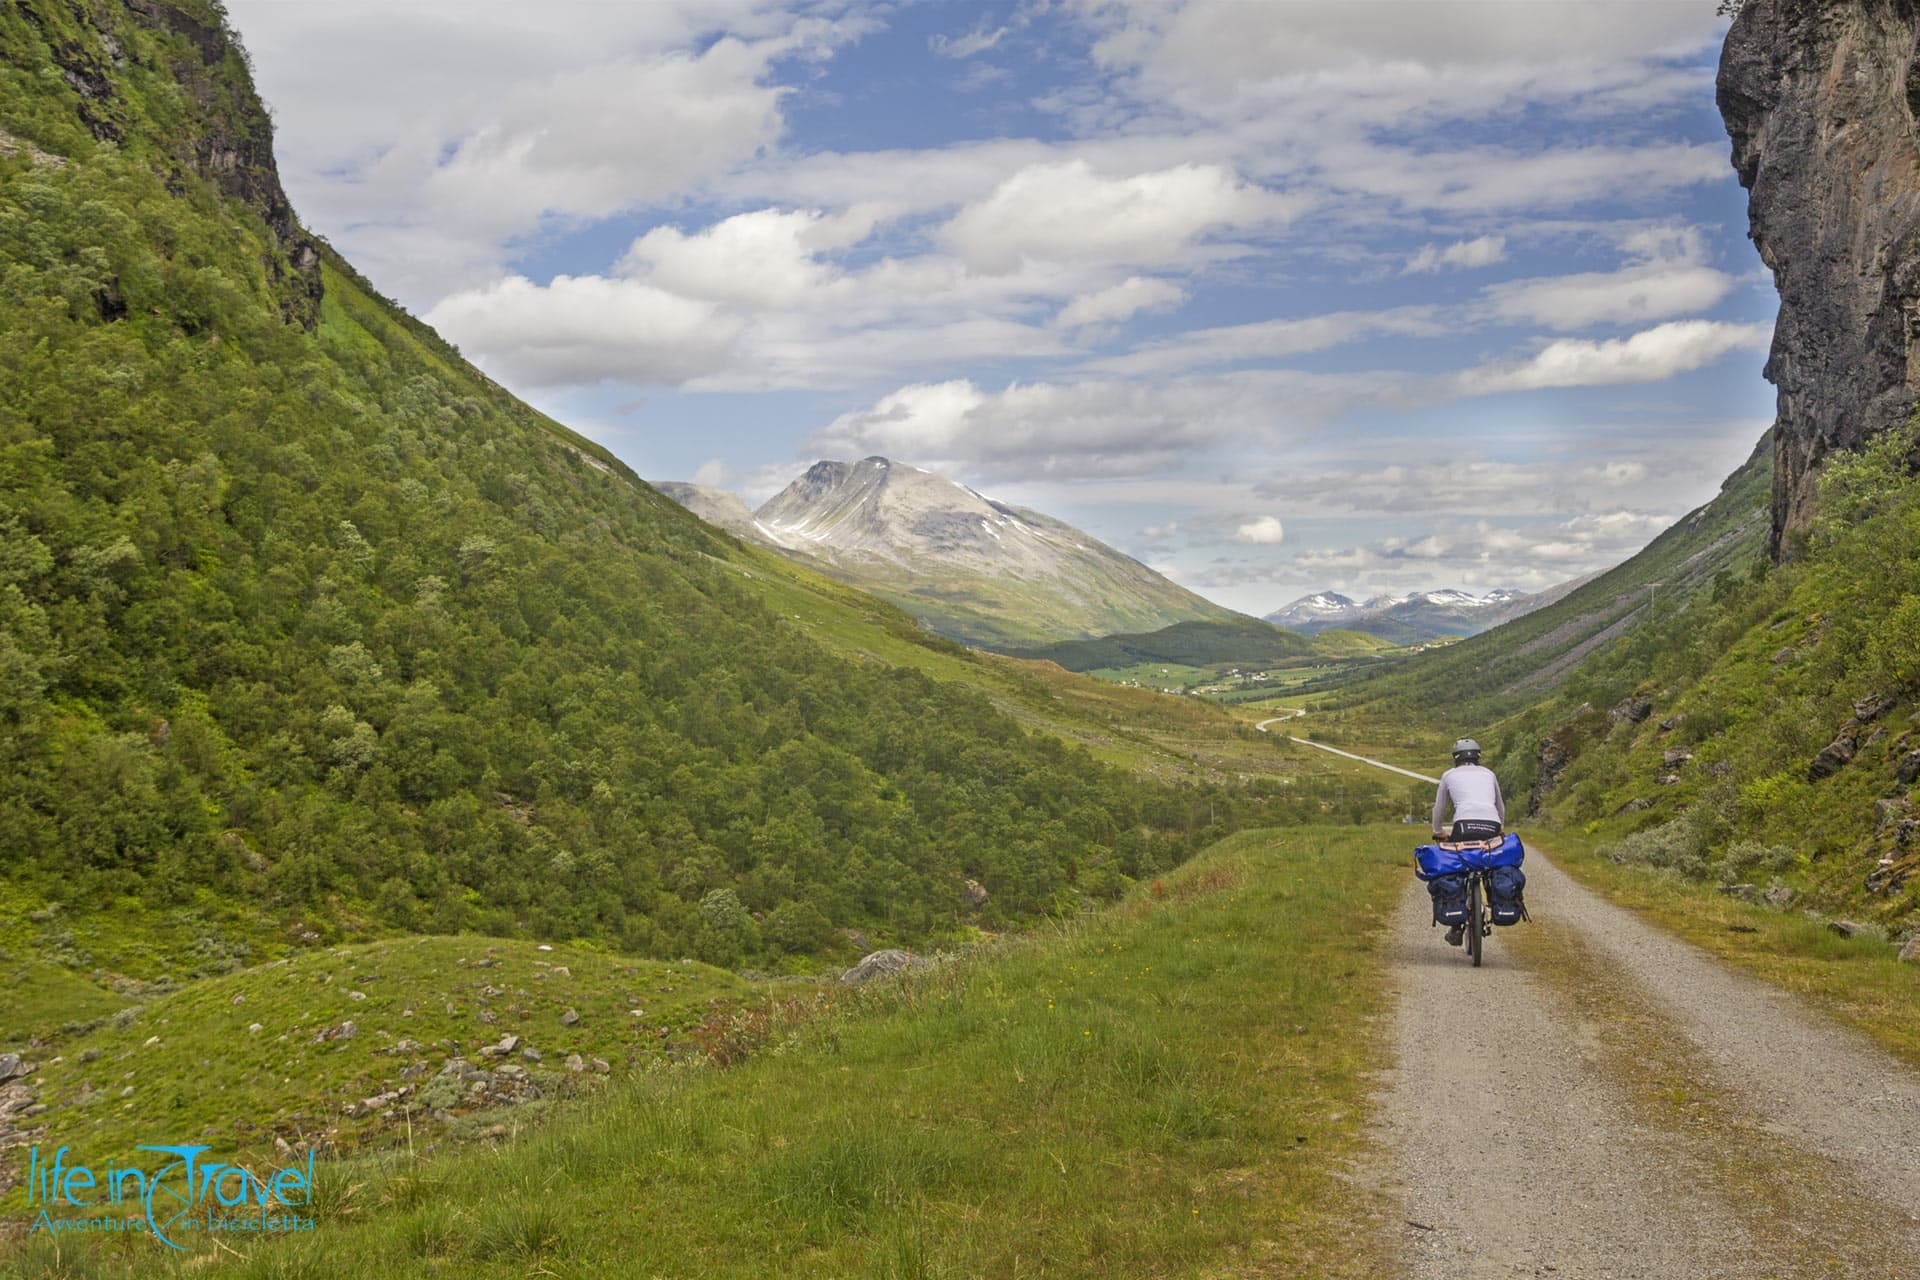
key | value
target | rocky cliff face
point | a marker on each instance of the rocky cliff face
(167, 80)
(1820, 97)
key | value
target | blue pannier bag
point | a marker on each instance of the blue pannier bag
(1506, 894)
(1509, 853)
(1449, 894)
(1430, 860)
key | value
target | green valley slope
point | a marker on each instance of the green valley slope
(1700, 710)
(311, 633)
(1240, 660)
(1520, 662)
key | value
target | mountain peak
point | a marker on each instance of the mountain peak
(1444, 611)
(967, 565)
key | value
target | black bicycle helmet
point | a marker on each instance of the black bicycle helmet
(1466, 751)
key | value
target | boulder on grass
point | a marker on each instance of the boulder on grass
(882, 964)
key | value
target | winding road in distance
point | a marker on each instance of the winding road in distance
(1321, 746)
(1603, 1101)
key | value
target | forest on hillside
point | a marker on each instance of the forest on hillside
(301, 615)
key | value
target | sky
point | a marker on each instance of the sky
(1275, 295)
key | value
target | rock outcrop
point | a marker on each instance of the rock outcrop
(219, 130)
(882, 964)
(1820, 98)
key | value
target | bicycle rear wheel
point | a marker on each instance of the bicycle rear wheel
(1476, 925)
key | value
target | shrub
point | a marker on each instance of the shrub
(1749, 860)
(1674, 846)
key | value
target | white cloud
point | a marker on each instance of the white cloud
(463, 127)
(1665, 275)
(765, 258)
(1627, 296)
(1488, 179)
(926, 420)
(1482, 251)
(587, 330)
(1427, 548)
(754, 485)
(1435, 485)
(1232, 59)
(1480, 555)
(1271, 340)
(1066, 212)
(1651, 355)
(1096, 427)
(979, 40)
(1118, 302)
(1266, 530)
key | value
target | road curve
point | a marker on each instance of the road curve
(1321, 746)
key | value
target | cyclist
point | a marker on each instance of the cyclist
(1479, 810)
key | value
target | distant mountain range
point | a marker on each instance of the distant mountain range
(1423, 615)
(968, 567)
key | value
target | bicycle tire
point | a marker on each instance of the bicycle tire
(1476, 925)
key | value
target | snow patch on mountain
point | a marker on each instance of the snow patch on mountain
(1447, 611)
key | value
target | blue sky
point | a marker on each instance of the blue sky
(1277, 296)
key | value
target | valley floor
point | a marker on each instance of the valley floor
(1263, 1063)
(1174, 1086)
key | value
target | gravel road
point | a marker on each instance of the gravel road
(1602, 1100)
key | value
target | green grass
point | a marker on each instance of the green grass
(1209, 644)
(1201, 657)
(1170, 1087)
(190, 1069)
(1150, 733)
(1154, 675)
(38, 1000)
(1010, 614)
(1342, 643)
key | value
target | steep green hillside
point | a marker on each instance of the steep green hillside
(1553, 649)
(1006, 613)
(310, 632)
(1757, 727)
(1190, 644)
(1770, 733)
(1341, 643)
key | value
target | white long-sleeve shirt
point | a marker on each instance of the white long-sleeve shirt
(1475, 793)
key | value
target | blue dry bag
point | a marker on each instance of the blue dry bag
(1506, 890)
(1449, 898)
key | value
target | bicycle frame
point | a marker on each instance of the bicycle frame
(1479, 915)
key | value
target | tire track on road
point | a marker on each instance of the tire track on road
(1603, 1101)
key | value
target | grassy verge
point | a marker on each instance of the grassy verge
(1170, 1087)
(1857, 980)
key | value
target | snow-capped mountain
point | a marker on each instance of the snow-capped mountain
(1419, 616)
(968, 566)
(1315, 612)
